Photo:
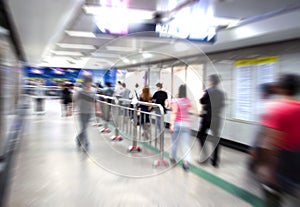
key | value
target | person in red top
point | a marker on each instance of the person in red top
(282, 123)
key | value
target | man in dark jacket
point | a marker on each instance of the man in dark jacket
(213, 102)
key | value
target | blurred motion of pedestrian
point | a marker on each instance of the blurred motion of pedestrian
(125, 94)
(66, 100)
(134, 99)
(279, 165)
(85, 101)
(213, 102)
(144, 119)
(118, 89)
(180, 126)
(267, 98)
(40, 97)
(160, 97)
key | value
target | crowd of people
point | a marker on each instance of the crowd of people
(275, 155)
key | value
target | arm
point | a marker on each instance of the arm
(205, 98)
(174, 109)
(75, 99)
(167, 103)
(97, 107)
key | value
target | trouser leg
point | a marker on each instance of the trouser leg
(175, 138)
(215, 128)
(202, 135)
(82, 137)
(272, 198)
(185, 144)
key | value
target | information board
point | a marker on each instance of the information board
(249, 74)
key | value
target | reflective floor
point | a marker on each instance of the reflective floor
(51, 171)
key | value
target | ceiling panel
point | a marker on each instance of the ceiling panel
(42, 24)
(244, 8)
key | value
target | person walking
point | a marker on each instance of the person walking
(160, 97)
(66, 100)
(213, 102)
(180, 127)
(144, 118)
(278, 167)
(85, 101)
(40, 92)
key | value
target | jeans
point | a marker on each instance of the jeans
(181, 134)
(82, 139)
(158, 121)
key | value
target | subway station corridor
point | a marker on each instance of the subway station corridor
(49, 170)
(220, 77)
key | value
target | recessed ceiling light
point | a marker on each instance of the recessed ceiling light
(66, 53)
(147, 55)
(107, 55)
(80, 34)
(131, 15)
(125, 60)
(122, 49)
(76, 46)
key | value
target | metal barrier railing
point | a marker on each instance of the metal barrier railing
(128, 119)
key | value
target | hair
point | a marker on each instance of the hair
(182, 91)
(136, 85)
(214, 78)
(289, 83)
(119, 82)
(159, 85)
(146, 96)
(87, 79)
(108, 84)
(267, 89)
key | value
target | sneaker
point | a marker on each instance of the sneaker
(200, 162)
(172, 161)
(185, 167)
(215, 164)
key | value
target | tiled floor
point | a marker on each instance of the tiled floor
(49, 170)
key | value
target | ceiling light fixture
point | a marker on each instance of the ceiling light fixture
(125, 60)
(76, 46)
(121, 49)
(80, 34)
(106, 55)
(66, 53)
(147, 55)
(131, 15)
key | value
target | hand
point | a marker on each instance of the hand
(171, 129)
(98, 113)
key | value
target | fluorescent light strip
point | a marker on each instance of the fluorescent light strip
(147, 55)
(107, 55)
(67, 53)
(76, 46)
(125, 60)
(121, 49)
(80, 34)
(132, 15)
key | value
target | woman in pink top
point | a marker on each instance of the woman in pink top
(180, 126)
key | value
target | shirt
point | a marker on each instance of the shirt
(40, 91)
(213, 102)
(284, 116)
(160, 97)
(183, 105)
(85, 101)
